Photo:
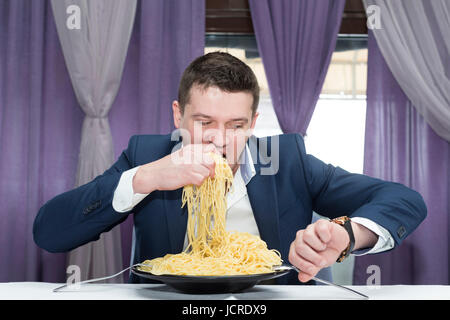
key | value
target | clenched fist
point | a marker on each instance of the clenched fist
(191, 164)
(316, 247)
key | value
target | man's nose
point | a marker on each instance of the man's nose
(219, 138)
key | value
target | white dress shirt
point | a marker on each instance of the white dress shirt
(239, 211)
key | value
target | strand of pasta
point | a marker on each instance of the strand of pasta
(211, 249)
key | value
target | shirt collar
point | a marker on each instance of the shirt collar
(246, 165)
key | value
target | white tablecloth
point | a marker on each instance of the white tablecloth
(42, 290)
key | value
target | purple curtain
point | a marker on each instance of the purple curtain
(296, 39)
(413, 38)
(40, 123)
(40, 119)
(401, 147)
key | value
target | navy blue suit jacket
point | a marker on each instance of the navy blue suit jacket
(282, 203)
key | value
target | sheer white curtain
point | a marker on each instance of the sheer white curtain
(414, 39)
(94, 35)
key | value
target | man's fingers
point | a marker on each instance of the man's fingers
(323, 230)
(212, 170)
(209, 148)
(307, 268)
(209, 163)
(199, 154)
(311, 251)
(207, 159)
(304, 277)
(198, 178)
(308, 254)
(311, 237)
(206, 169)
(203, 170)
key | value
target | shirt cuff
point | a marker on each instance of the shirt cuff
(124, 197)
(385, 241)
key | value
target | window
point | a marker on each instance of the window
(234, 16)
(336, 131)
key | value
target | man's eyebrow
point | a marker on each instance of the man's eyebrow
(200, 115)
(245, 120)
(195, 115)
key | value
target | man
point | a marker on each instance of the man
(274, 196)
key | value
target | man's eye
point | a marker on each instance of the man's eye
(205, 123)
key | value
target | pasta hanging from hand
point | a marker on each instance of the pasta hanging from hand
(212, 250)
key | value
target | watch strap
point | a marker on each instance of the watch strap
(345, 222)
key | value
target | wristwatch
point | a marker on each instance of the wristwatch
(345, 222)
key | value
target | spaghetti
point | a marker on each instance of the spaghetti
(212, 250)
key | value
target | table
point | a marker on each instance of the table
(43, 290)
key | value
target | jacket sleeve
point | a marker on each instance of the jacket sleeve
(336, 192)
(79, 216)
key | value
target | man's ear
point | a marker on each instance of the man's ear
(177, 115)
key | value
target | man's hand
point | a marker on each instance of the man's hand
(316, 247)
(188, 165)
(321, 243)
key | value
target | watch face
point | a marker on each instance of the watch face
(341, 220)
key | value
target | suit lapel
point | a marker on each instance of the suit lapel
(176, 219)
(175, 215)
(262, 194)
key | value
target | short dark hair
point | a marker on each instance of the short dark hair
(222, 70)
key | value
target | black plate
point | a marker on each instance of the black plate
(210, 284)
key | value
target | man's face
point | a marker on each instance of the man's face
(218, 117)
